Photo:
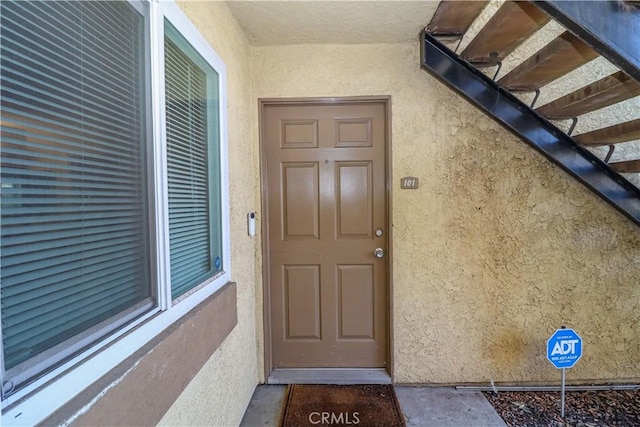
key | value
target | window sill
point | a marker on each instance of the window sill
(135, 380)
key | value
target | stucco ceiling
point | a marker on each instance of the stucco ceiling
(332, 22)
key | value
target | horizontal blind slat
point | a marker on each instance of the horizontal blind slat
(61, 39)
(66, 134)
(69, 289)
(41, 267)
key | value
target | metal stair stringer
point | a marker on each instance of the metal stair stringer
(610, 27)
(532, 128)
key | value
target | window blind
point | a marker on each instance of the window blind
(192, 148)
(74, 220)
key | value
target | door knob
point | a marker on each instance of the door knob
(378, 253)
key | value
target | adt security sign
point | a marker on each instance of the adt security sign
(564, 348)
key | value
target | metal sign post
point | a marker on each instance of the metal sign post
(562, 392)
(564, 348)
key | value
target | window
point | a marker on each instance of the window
(114, 211)
(192, 155)
(74, 194)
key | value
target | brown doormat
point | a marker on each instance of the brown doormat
(342, 405)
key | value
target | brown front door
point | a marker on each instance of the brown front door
(327, 215)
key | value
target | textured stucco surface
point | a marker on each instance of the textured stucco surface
(220, 392)
(339, 21)
(497, 248)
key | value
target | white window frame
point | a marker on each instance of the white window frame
(44, 396)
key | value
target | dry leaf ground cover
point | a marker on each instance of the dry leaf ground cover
(582, 408)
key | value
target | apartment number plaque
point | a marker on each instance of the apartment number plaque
(409, 183)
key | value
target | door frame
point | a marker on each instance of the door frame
(263, 103)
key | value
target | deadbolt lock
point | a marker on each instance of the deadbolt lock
(378, 253)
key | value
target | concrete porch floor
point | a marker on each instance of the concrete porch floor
(421, 406)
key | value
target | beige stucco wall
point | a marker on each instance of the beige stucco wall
(497, 248)
(220, 392)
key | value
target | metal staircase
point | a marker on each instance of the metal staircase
(614, 34)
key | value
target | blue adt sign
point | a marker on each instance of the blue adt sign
(564, 348)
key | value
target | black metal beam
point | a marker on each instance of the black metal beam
(532, 128)
(612, 28)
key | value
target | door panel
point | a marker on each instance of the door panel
(302, 296)
(300, 212)
(326, 196)
(299, 134)
(356, 298)
(353, 133)
(354, 200)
